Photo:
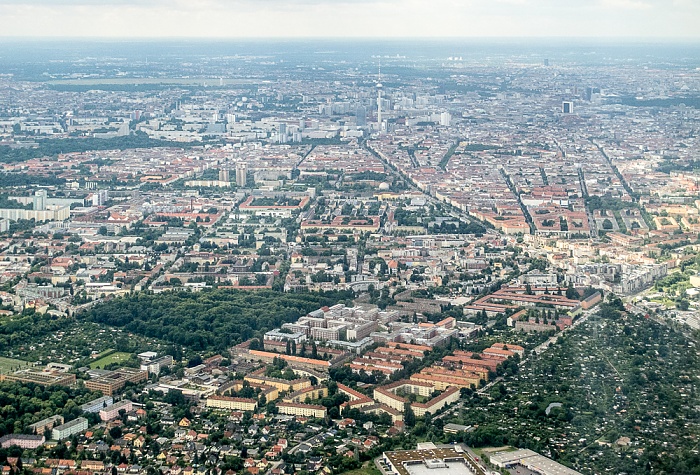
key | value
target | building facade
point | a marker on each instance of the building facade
(66, 430)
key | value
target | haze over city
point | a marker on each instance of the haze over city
(350, 18)
(354, 237)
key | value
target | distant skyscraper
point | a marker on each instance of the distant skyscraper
(445, 119)
(100, 197)
(282, 136)
(360, 116)
(591, 93)
(567, 107)
(224, 175)
(40, 197)
(546, 62)
(241, 174)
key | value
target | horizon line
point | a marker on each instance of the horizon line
(624, 39)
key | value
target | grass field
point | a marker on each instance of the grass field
(8, 364)
(367, 468)
(116, 357)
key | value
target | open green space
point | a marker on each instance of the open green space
(42, 338)
(626, 384)
(53, 147)
(7, 365)
(111, 358)
(210, 320)
(367, 468)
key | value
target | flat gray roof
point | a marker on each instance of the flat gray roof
(452, 468)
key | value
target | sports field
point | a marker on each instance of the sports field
(7, 365)
(116, 357)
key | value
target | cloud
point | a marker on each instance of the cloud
(349, 18)
(626, 4)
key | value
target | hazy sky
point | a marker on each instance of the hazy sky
(351, 18)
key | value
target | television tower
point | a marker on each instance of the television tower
(379, 99)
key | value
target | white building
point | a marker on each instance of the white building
(66, 430)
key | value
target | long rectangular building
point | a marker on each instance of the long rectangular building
(232, 403)
(298, 409)
(532, 461)
(449, 396)
(22, 440)
(44, 378)
(66, 430)
(112, 411)
(112, 382)
(96, 405)
(293, 361)
(280, 384)
(441, 382)
(357, 399)
(46, 424)
(311, 393)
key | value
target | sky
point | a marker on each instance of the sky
(639, 19)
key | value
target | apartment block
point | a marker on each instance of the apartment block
(46, 424)
(98, 404)
(449, 396)
(112, 411)
(298, 409)
(22, 440)
(66, 430)
(311, 393)
(232, 403)
(280, 384)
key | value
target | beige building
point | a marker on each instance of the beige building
(450, 396)
(280, 384)
(441, 382)
(232, 403)
(311, 393)
(54, 213)
(390, 399)
(43, 378)
(115, 380)
(298, 409)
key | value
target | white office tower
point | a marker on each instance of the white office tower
(40, 197)
(241, 174)
(282, 135)
(100, 197)
(445, 119)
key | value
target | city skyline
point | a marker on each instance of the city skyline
(651, 19)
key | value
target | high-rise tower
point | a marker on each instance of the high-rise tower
(379, 99)
(40, 197)
(241, 174)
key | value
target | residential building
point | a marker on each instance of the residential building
(23, 441)
(112, 411)
(96, 405)
(76, 426)
(299, 409)
(46, 424)
(232, 403)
